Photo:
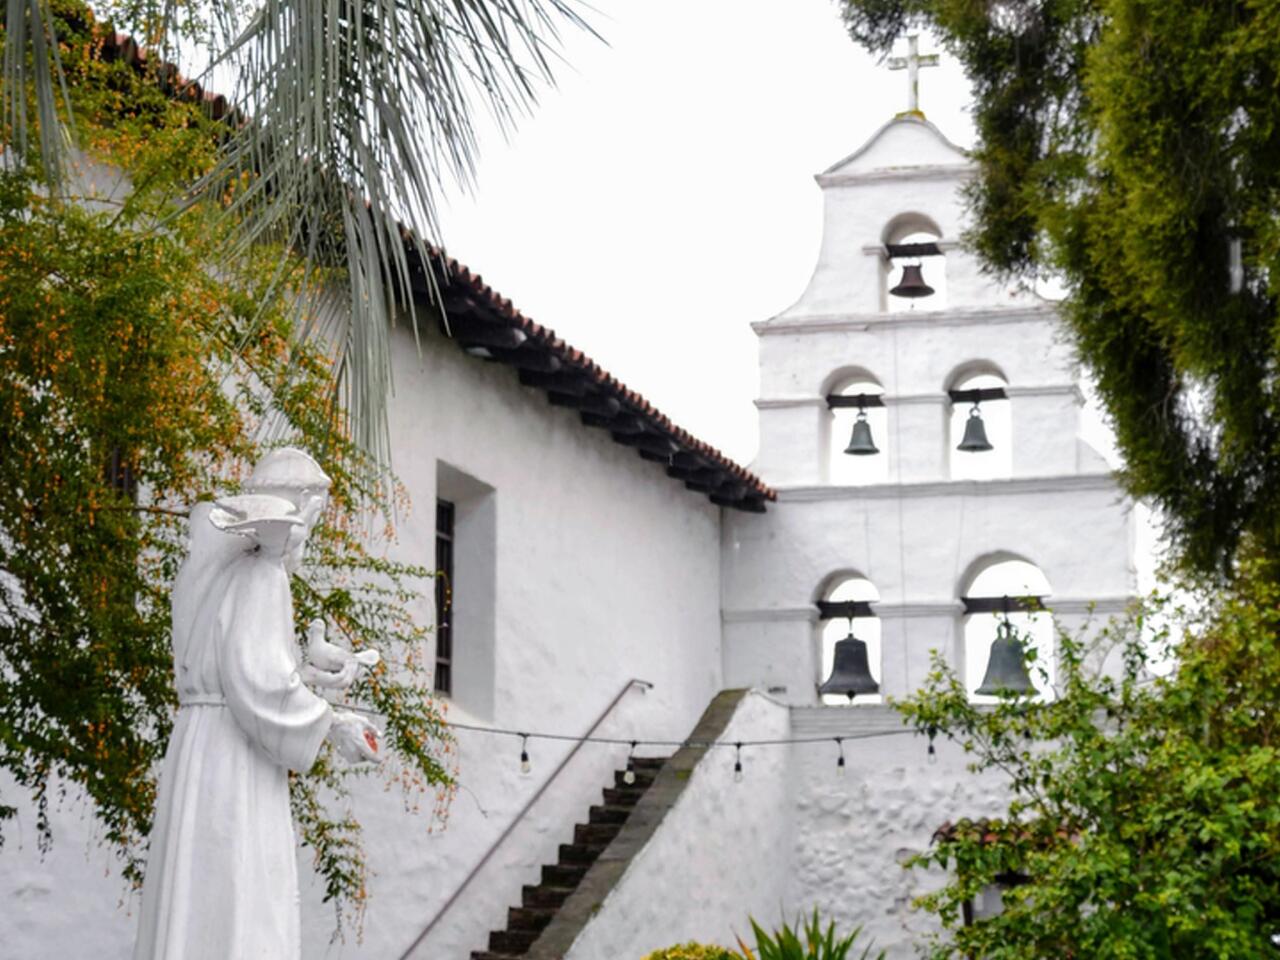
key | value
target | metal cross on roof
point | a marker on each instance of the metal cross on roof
(912, 63)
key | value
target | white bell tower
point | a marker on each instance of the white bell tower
(919, 530)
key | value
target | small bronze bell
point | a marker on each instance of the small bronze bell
(1006, 668)
(912, 283)
(975, 434)
(860, 442)
(850, 670)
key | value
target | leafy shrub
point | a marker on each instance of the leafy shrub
(693, 951)
(786, 943)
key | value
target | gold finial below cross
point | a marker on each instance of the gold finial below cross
(912, 63)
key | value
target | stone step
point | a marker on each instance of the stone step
(529, 918)
(609, 813)
(595, 834)
(544, 895)
(561, 875)
(540, 903)
(623, 796)
(512, 941)
(580, 854)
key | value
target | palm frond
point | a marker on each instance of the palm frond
(350, 118)
(33, 71)
(354, 116)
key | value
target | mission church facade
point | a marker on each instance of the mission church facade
(612, 575)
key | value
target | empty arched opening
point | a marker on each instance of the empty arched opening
(859, 457)
(857, 591)
(979, 388)
(911, 240)
(1005, 587)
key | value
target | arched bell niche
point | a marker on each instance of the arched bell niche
(979, 385)
(843, 390)
(999, 586)
(906, 230)
(849, 587)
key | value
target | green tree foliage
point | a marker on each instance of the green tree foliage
(134, 381)
(1124, 145)
(693, 951)
(347, 122)
(1144, 819)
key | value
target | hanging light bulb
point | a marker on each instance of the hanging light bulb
(933, 752)
(737, 763)
(629, 777)
(840, 757)
(525, 766)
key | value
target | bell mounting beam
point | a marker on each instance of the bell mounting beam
(836, 400)
(1002, 604)
(978, 395)
(844, 609)
(929, 249)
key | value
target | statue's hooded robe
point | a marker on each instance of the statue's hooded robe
(222, 880)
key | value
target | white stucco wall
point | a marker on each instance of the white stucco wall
(915, 532)
(854, 832)
(604, 569)
(720, 856)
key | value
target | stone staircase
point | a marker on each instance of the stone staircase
(539, 904)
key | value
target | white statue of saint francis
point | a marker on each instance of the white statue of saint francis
(222, 879)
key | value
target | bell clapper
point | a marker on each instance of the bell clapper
(840, 757)
(737, 763)
(525, 766)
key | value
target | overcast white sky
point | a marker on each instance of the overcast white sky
(661, 196)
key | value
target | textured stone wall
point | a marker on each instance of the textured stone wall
(853, 833)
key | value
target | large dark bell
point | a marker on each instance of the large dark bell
(1007, 668)
(860, 442)
(975, 434)
(912, 283)
(850, 671)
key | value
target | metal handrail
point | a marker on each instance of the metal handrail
(634, 681)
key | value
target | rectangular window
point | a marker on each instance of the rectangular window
(444, 596)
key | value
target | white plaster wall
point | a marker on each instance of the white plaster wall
(854, 832)
(721, 855)
(606, 569)
(916, 357)
(68, 902)
(907, 167)
(915, 546)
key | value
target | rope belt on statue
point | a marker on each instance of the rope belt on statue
(201, 700)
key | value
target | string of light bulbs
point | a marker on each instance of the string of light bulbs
(629, 774)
